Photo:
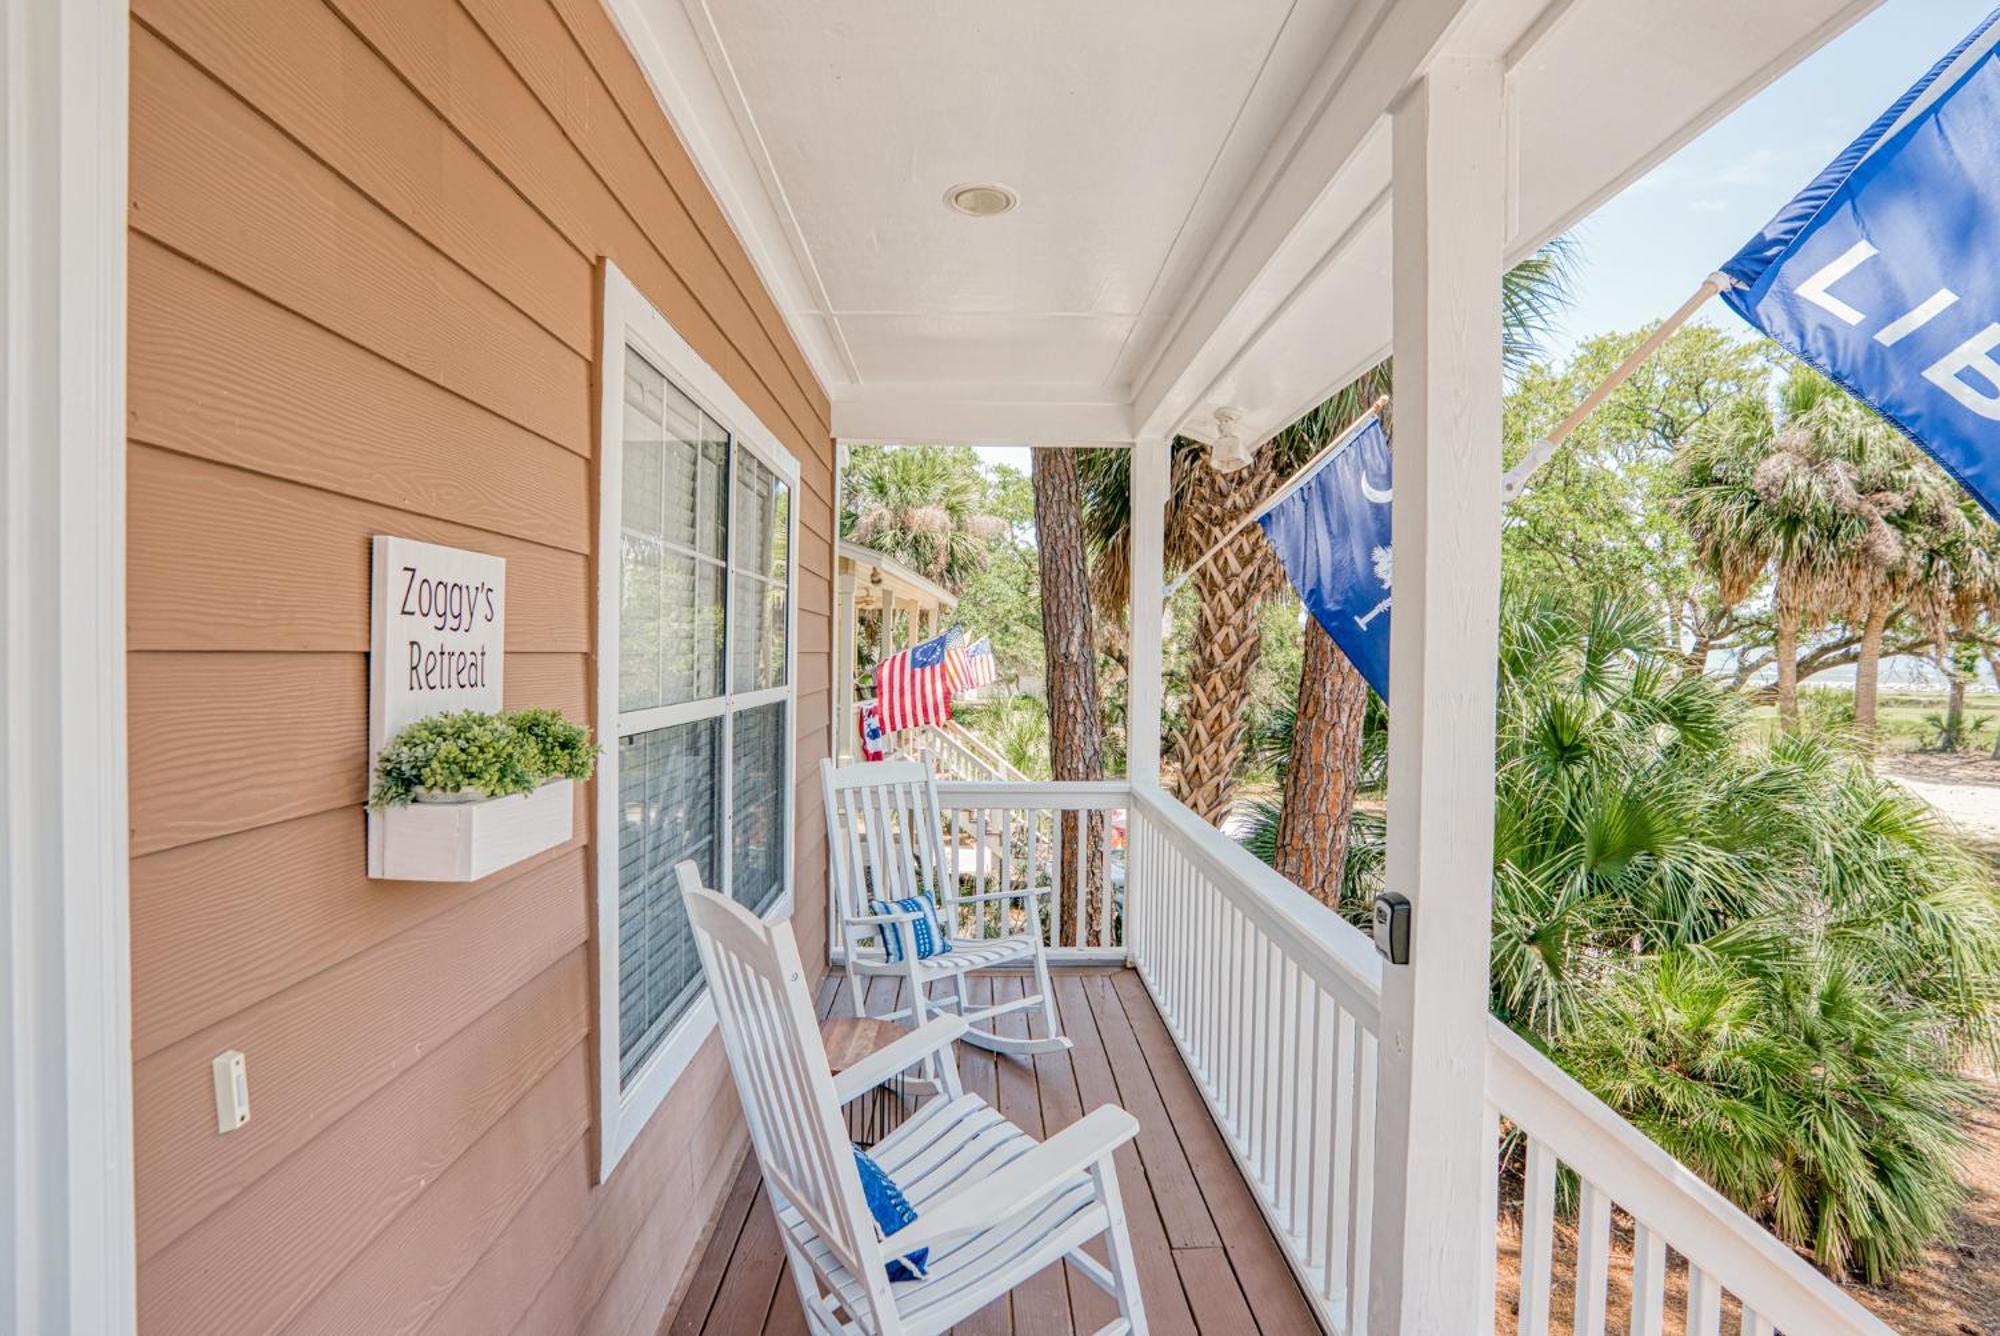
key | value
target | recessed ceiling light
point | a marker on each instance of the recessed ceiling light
(980, 201)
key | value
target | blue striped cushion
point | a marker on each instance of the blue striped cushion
(925, 927)
(892, 1211)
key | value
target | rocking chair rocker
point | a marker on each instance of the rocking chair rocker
(885, 833)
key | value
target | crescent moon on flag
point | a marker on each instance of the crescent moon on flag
(1380, 498)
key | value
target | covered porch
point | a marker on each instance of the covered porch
(1351, 183)
(1242, 1023)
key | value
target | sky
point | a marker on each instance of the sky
(1643, 252)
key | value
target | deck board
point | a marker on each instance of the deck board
(1207, 1262)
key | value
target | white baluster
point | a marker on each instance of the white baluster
(1649, 1282)
(1593, 1260)
(1704, 1311)
(1538, 1219)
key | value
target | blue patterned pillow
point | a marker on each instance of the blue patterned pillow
(925, 927)
(892, 1211)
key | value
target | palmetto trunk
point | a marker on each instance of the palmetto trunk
(1868, 668)
(1069, 649)
(1954, 709)
(1321, 773)
(1786, 651)
(1232, 587)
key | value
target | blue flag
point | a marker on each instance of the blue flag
(1884, 273)
(1332, 534)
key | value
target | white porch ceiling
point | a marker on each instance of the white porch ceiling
(1204, 213)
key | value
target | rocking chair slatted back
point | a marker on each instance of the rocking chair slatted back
(885, 829)
(757, 981)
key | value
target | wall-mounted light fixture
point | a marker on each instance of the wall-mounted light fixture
(1227, 452)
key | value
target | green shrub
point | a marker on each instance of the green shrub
(1769, 960)
(490, 754)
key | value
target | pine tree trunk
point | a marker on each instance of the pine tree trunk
(1786, 652)
(1321, 772)
(1076, 737)
(1868, 668)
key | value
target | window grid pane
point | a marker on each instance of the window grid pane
(673, 517)
(758, 838)
(670, 808)
(762, 548)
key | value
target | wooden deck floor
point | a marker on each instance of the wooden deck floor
(1207, 1261)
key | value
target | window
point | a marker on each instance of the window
(695, 595)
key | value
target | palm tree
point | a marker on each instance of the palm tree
(1804, 492)
(1232, 587)
(924, 507)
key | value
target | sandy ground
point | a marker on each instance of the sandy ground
(1963, 786)
(1956, 1292)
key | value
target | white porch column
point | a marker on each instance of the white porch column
(885, 638)
(66, 1208)
(844, 736)
(1150, 464)
(1431, 1233)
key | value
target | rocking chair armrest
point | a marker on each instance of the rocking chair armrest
(1026, 893)
(906, 1052)
(1020, 1184)
(893, 916)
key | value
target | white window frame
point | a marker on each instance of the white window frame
(632, 322)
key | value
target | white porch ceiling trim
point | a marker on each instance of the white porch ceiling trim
(1289, 297)
(674, 54)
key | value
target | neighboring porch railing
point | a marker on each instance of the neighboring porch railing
(959, 754)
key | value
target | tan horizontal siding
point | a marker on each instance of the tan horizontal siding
(220, 373)
(365, 236)
(222, 559)
(297, 233)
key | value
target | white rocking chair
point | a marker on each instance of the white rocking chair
(885, 833)
(993, 1205)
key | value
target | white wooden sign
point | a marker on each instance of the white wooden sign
(438, 643)
(440, 631)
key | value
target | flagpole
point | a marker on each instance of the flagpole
(1517, 477)
(1292, 484)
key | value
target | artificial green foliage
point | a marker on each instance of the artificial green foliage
(562, 750)
(490, 754)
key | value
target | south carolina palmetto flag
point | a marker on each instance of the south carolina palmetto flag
(914, 687)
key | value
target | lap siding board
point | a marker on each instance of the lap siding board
(363, 265)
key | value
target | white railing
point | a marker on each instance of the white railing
(1274, 1003)
(1067, 836)
(1272, 1000)
(1727, 1253)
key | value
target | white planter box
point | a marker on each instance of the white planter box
(467, 841)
